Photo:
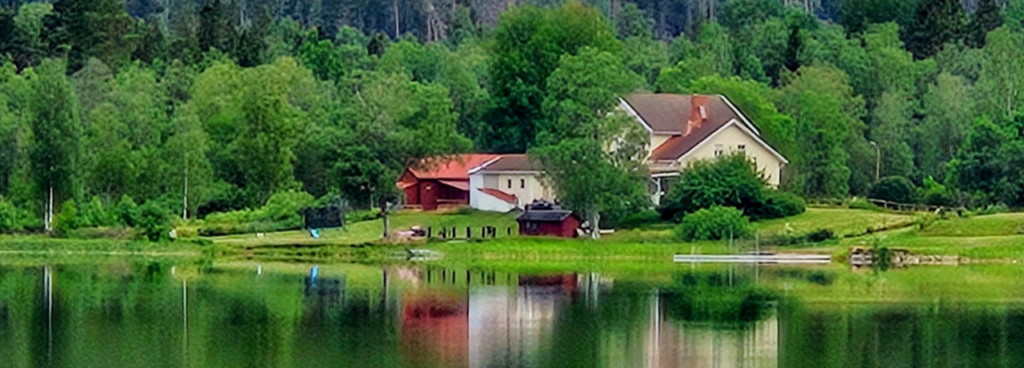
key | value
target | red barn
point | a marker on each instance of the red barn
(552, 222)
(441, 181)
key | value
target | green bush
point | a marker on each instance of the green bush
(67, 219)
(778, 205)
(285, 207)
(126, 212)
(863, 204)
(95, 214)
(14, 219)
(893, 189)
(935, 194)
(282, 212)
(715, 223)
(731, 181)
(360, 216)
(641, 219)
(154, 222)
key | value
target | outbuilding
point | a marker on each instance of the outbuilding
(548, 222)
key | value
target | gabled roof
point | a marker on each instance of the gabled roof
(670, 114)
(450, 167)
(509, 163)
(545, 215)
(510, 198)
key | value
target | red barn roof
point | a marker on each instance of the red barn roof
(450, 167)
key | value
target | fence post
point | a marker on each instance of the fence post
(509, 231)
(428, 232)
(469, 232)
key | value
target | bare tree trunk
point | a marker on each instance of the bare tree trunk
(395, 4)
(595, 229)
(184, 198)
(48, 221)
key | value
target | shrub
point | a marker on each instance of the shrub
(12, 218)
(67, 219)
(126, 212)
(715, 223)
(154, 222)
(862, 204)
(935, 194)
(893, 189)
(993, 209)
(731, 181)
(640, 219)
(95, 214)
(778, 205)
(285, 207)
(360, 216)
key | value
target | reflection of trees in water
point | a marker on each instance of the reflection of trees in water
(719, 297)
(912, 335)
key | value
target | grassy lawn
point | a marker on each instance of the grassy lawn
(370, 231)
(989, 225)
(841, 221)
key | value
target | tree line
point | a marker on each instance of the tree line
(210, 106)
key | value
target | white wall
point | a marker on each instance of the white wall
(483, 201)
(730, 139)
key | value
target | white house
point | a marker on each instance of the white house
(506, 183)
(686, 128)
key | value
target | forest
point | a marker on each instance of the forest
(196, 107)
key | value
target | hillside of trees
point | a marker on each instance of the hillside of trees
(202, 106)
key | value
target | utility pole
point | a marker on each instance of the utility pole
(878, 161)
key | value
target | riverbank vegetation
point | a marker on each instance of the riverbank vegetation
(224, 118)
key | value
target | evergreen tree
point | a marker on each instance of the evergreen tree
(936, 22)
(987, 18)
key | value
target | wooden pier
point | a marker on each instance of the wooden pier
(755, 258)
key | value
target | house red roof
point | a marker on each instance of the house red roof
(510, 198)
(450, 167)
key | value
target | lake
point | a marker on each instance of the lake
(173, 313)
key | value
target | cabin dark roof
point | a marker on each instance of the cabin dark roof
(545, 215)
(515, 162)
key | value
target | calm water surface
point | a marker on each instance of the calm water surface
(152, 314)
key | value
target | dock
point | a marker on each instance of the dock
(755, 258)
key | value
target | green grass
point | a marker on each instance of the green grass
(370, 231)
(842, 221)
(988, 225)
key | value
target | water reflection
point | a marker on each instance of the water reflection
(152, 315)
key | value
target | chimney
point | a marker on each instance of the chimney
(698, 113)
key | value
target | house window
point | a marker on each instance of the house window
(719, 150)
(742, 148)
(509, 183)
(522, 183)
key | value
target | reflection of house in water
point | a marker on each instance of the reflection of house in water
(686, 344)
(507, 327)
(435, 329)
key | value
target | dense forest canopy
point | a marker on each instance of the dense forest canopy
(201, 106)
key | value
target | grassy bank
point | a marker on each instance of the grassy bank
(991, 237)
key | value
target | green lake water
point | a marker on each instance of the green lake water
(143, 313)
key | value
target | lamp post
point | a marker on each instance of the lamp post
(878, 160)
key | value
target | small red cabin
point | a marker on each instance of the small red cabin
(553, 222)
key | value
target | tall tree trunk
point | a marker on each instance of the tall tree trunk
(595, 228)
(48, 217)
(395, 4)
(184, 198)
